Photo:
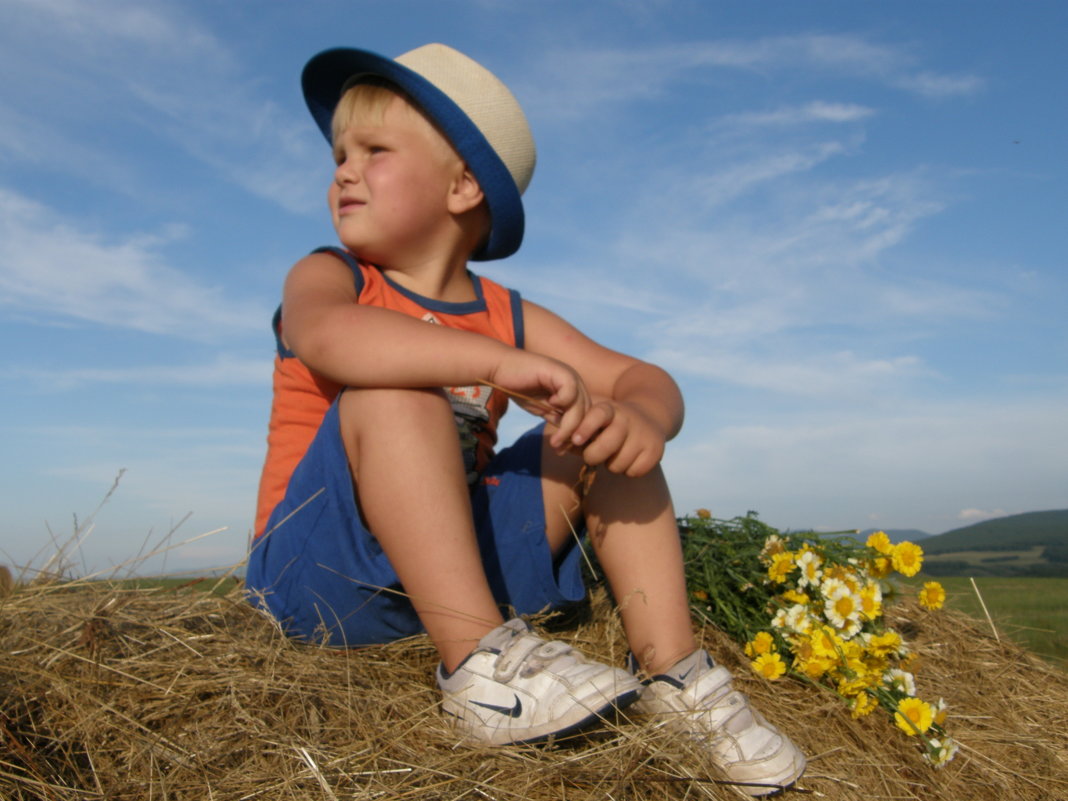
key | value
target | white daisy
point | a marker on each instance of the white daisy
(831, 585)
(798, 619)
(947, 749)
(899, 679)
(841, 607)
(810, 563)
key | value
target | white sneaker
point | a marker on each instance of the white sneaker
(516, 687)
(695, 697)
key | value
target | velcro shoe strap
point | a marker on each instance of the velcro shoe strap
(543, 656)
(708, 686)
(514, 654)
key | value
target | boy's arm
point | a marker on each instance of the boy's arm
(636, 406)
(365, 346)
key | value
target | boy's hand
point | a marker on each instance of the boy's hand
(546, 388)
(620, 436)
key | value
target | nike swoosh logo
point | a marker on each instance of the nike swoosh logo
(513, 711)
(689, 670)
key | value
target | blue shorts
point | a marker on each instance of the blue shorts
(325, 579)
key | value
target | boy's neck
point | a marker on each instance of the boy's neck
(447, 281)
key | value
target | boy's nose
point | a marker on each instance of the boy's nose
(346, 173)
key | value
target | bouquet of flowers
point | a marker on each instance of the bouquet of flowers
(811, 606)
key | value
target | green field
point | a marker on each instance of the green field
(1031, 611)
(217, 586)
(1024, 557)
(1029, 562)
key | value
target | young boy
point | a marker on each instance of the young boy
(377, 521)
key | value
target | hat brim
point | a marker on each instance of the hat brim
(326, 74)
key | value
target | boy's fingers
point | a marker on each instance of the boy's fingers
(605, 447)
(595, 420)
(628, 461)
(565, 428)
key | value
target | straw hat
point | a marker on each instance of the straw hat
(475, 111)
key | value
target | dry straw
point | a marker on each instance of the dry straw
(113, 692)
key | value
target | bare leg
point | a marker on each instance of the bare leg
(631, 524)
(412, 492)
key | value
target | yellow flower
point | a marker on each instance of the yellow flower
(907, 558)
(772, 545)
(913, 715)
(880, 542)
(762, 643)
(940, 712)
(770, 666)
(814, 667)
(875, 666)
(880, 567)
(782, 564)
(871, 601)
(852, 687)
(704, 514)
(889, 642)
(825, 643)
(795, 597)
(700, 595)
(808, 661)
(862, 704)
(933, 595)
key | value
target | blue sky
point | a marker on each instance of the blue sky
(840, 225)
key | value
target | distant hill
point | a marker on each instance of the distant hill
(1030, 544)
(1005, 533)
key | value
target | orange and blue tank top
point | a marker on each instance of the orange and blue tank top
(302, 396)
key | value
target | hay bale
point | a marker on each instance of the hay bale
(119, 693)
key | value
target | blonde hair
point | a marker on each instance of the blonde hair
(366, 100)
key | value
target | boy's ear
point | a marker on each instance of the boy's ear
(466, 193)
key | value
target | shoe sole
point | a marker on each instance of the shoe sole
(774, 785)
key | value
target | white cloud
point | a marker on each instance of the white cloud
(978, 515)
(576, 81)
(817, 111)
(723, 186)
(842, 376)
(58, 272)
(915, 465)
(225, 370)
(161, 74)
(933, 85)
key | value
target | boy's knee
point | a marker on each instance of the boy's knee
(561, 468)
(379, 405)
(391, 413)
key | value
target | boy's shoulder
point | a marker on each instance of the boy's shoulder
(326, 268)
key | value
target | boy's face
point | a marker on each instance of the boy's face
(388, 199)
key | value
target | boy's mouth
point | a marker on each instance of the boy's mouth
(348, 204)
